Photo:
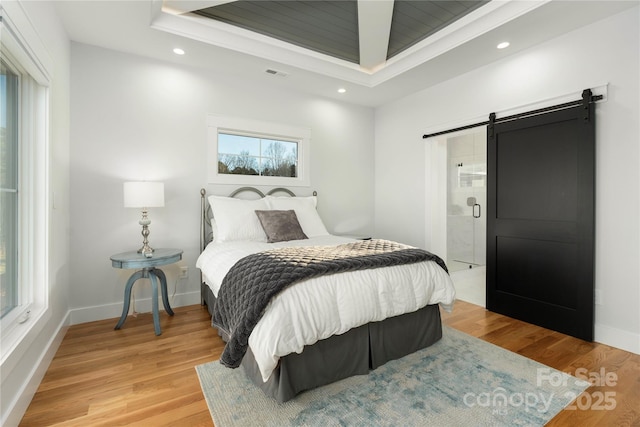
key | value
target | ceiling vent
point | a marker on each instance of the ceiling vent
(276, 72)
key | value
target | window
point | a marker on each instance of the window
(24, 155)
(9, 102)
(252, 155)
(243, 151)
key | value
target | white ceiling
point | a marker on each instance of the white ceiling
(152, 28)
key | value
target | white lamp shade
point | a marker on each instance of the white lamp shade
(143, 194)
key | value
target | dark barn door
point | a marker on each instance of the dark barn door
(540, 219)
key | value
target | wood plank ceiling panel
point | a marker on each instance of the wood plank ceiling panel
(329, 27)
(415, 20)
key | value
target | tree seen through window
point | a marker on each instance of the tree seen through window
(249, 155)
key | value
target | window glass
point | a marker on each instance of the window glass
(9, 84)
(250, 155)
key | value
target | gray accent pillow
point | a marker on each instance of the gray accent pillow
(280, 226)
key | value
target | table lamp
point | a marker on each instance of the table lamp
(144, 195)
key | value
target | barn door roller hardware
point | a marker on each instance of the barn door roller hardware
(587, 98)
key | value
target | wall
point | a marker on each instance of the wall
(135, 118)
(604, 52)
(24, 369)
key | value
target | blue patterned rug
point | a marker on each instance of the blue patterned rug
(459, 381)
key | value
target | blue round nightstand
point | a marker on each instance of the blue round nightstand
(148, 270)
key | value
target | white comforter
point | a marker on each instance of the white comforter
(330, 305)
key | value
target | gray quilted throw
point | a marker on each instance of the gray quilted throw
(251, 283)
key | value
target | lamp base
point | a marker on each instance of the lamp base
(147, 251)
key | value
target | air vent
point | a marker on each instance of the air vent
(276, 72)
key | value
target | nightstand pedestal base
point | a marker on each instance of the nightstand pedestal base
(146, 267)
(154, 275)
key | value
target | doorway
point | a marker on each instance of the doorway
(458, 177)
(540, 216)
(466, 213)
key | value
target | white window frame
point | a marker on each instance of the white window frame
(222, 124)
(22, 49)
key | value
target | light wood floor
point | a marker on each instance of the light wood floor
(102, 377)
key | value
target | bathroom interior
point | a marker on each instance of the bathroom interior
(466, 213)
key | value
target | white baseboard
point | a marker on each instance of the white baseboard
(108, 311)
(34, 378)
(618, 338)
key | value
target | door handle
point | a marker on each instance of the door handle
(474, 210)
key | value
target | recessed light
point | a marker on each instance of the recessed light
(342, 90)
(178, 51)
(503, 45)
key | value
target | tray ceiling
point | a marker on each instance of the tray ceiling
(362, 41)
(387, 67)
(331, 27)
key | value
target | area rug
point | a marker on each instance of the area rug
(458, 381)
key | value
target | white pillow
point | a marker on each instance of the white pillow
(236, 219)
(305, 209)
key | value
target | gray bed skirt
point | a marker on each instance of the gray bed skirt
(355, 352)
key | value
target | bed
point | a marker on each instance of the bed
(324, 328)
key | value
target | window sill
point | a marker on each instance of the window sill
(21, 335)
